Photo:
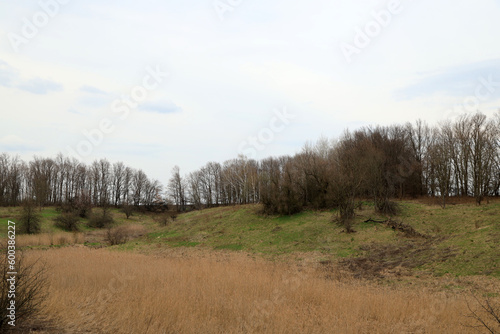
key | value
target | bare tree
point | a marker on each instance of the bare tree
(139, 183)
(419, 139)
(461, 151)
(483, 148)
(117, 184)
(486, 313)
(29, 219)
(440, 155)
(194, 189)
(176, 189)
(127, 184)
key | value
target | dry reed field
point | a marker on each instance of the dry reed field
(103, 291)
(50, 239)
(76, 238)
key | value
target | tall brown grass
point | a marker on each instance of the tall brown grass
(102, 291)
(50, 239)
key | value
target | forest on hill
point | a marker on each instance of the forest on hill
(458, 158)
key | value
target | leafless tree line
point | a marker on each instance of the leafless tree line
(457, 158)
(233, 182)
(61, 180)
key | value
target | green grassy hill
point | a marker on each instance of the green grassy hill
(463, 239)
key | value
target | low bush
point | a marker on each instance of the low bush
(162, 219)
(387, 207)
(103, 219)
(118, 235)
(128, 210)
(67, 221)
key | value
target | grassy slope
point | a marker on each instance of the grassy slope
(473, 232)
(243, 228)
(465, 239)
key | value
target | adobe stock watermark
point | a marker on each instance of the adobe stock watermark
(32, 26)
(484, 90)
(121, 109)
(221, 7)
(363, 36)
(277, 123)
(11, 274)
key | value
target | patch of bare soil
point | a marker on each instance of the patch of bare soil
(407, 230)
(396, 259)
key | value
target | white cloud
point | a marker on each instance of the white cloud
(227, 76)
(16, 144)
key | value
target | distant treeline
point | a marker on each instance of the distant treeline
(61, 180)
(460, 158)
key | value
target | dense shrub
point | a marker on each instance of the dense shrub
(387, 207)
(30, 219)
(67, 221)
(118, 235)
(80, 205)
(128, 210)
(346, 210)
(103, 219)
(162, 219)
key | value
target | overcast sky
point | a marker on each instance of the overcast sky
(89, 78)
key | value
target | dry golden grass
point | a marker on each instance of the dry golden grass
(102, 291)
(75, 238)
(134, 230)
(49, 239)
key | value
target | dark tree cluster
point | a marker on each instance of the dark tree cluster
(458, 158)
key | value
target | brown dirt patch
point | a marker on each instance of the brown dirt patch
(395, 259)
